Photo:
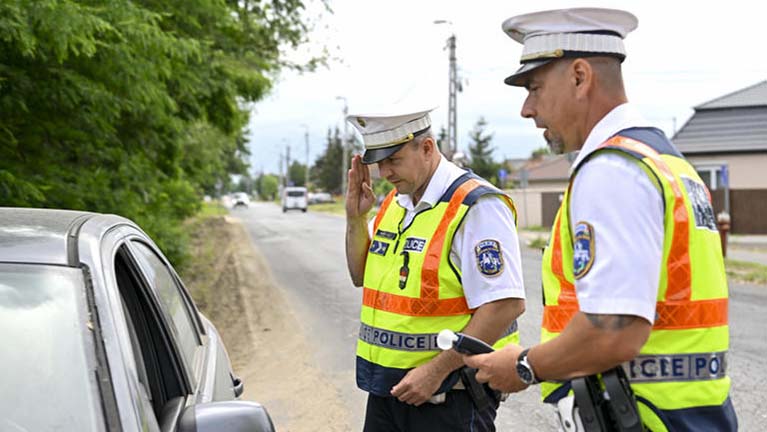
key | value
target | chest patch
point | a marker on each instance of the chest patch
(386, 234)
(701, 206)
(583, 249)
(489, 257)
(378, 247)
(414, 244)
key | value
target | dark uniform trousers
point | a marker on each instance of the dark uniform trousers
(457, 413)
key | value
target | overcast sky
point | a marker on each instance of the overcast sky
(682, 54)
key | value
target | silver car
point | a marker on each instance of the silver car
(100, 334)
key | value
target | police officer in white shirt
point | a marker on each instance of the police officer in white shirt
(629, 272)
(476, 287)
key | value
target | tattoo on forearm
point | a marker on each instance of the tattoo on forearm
(610, 322)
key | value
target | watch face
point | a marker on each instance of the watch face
(524, 374)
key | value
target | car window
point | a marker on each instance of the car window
(160, 375)
(169, 295)
(47, 355)
(296, 193)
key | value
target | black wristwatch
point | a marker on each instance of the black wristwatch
(525, 369)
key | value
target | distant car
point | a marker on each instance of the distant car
(240, 199)
(294, 197)
(100, 334)
(320, 198)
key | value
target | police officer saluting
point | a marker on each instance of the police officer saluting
(441, 253)
(633, 273)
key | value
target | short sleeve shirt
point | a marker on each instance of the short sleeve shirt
(624, 209)
(489, 219)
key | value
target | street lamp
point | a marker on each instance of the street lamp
(306, 139)
(344, 147)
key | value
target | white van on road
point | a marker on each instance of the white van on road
(294, 198)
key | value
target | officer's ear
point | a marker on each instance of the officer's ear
(583, 77)
(428, 146)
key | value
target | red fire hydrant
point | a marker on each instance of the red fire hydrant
(723, 224)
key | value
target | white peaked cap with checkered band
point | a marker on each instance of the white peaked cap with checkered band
(384, 134)
(562, 33)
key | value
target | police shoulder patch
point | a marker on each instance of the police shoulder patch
(584, 252)
(489, 257)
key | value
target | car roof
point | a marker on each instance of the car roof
(40, 236)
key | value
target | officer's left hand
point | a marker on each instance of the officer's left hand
(418, 385)
(498, 368)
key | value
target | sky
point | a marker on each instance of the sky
(682, 54)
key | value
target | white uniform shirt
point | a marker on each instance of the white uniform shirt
(617, 198)
(488, 218)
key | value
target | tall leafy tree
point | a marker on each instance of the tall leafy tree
(327, 168)
(297, 174)
(481, 152)
(268, 185)
(133, 107)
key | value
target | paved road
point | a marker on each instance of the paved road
(306, 255)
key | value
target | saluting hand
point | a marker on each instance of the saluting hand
(359, 195)
(498, 368)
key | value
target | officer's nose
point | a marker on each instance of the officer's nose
(528, 111)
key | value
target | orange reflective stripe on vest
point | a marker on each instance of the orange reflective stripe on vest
(429, 303)
(556, 317)
(678, 263)
(382, 210)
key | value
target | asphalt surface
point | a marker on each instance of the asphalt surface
(306, 254)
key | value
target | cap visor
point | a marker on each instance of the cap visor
(515, 79)
(372, 156)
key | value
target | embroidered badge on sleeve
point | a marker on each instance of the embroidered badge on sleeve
(583, 254)
(489, 257)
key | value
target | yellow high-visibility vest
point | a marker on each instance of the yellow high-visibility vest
(412, 290)
(679, 378)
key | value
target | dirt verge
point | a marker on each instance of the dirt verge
(234, 288)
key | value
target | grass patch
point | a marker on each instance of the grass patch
(746, 271)
(537, 228)
(210, 209)
(537, 243)
(337, 208)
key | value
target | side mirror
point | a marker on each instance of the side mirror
(237, 385)
(232, 416)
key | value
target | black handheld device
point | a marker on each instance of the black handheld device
(462, 343)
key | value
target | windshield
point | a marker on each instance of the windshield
(296, 193)
(46, 366)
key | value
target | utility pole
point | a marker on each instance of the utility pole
(451, 146)
(344, 147)
(306, 140)
(452, 127)
(287, 167)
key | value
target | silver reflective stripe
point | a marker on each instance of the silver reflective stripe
(677, 367)
(407, 341)
(397, 340)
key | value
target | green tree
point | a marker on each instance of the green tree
(134, 107)
(442, 138)
(268, 186)
(540, 152)
(297, 174)
(327, 168)
(481, 153)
